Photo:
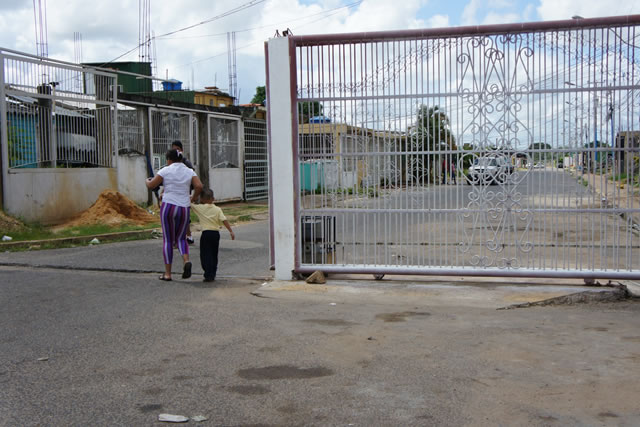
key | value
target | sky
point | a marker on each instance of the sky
(198, 56)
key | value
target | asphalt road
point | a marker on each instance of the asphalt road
(542, 219)
(121, 348)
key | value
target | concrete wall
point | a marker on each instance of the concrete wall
(54, 195)
(132, 173)
(226, 183)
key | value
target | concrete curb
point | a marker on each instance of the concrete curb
(79, 239)
(633, 288)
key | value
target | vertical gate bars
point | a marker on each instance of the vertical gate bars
(256, 179)
(51, 120)
(443, 151)
(168, 126)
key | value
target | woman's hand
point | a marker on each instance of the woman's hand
(153, 182)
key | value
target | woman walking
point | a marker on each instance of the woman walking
(177, 180)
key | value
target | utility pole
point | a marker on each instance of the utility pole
(595, 127)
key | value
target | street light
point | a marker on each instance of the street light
(595, 112)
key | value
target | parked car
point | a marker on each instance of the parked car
(489, 170)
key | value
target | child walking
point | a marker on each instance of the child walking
(211, 220)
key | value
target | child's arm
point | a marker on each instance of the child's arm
(226, 224)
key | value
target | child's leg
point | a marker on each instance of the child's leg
(206, 247)
(214, 252)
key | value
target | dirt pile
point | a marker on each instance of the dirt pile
(113, 208)
(8, 223)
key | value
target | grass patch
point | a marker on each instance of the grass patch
(53, 244)
(584, 182)
(243, 218)
(40, 232)
(243, 210)
(619, 177)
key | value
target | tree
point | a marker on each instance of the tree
(260, 97)
(540, 152)
(307, 109)
(431, 130)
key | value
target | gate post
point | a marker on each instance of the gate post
(280, 98)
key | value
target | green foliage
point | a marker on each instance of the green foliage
(261, 96)
(431, 129)
(37, 231)
(306, 110)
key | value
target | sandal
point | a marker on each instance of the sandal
(186, 272)
(165, 278)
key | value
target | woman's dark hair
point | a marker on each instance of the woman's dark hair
(177, 144)
(174, 155)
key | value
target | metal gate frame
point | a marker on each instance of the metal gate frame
(190, 149)
(289, 235)
(256, 168)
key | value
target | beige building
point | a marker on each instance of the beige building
(350, 156)
(213, 97)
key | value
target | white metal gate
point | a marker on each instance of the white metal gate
(168, 126)
(225, 169)
(55, 114)
(508, 150)
(256, 175)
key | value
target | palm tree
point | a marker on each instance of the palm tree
(431, 133)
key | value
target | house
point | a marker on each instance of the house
(213, 97)
(337, 155)
(628, 141)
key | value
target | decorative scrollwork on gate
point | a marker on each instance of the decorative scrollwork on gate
(498, 218)
(495, 78)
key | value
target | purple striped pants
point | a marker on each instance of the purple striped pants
(174, 220)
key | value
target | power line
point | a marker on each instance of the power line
(206, 21)
(326, 12)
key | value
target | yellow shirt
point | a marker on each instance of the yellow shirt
(211, 216)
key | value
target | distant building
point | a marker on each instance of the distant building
(213, 97)
(128, 83)
(254, 111)
(627, 140)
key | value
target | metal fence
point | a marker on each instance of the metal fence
(256, 176)
(57, 114)
(224, 143)
(168, 126)
(501, 150)
(130, 130)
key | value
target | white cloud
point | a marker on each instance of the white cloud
(438, 21)
(469, 12)
(110, 28)
(565, 9)
(501, 18)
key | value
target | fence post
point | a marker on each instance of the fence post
(145, 119)
(4, 134)
(203, 148)
(280, 97)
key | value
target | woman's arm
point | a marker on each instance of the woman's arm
(197, 188)
(154, 182)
